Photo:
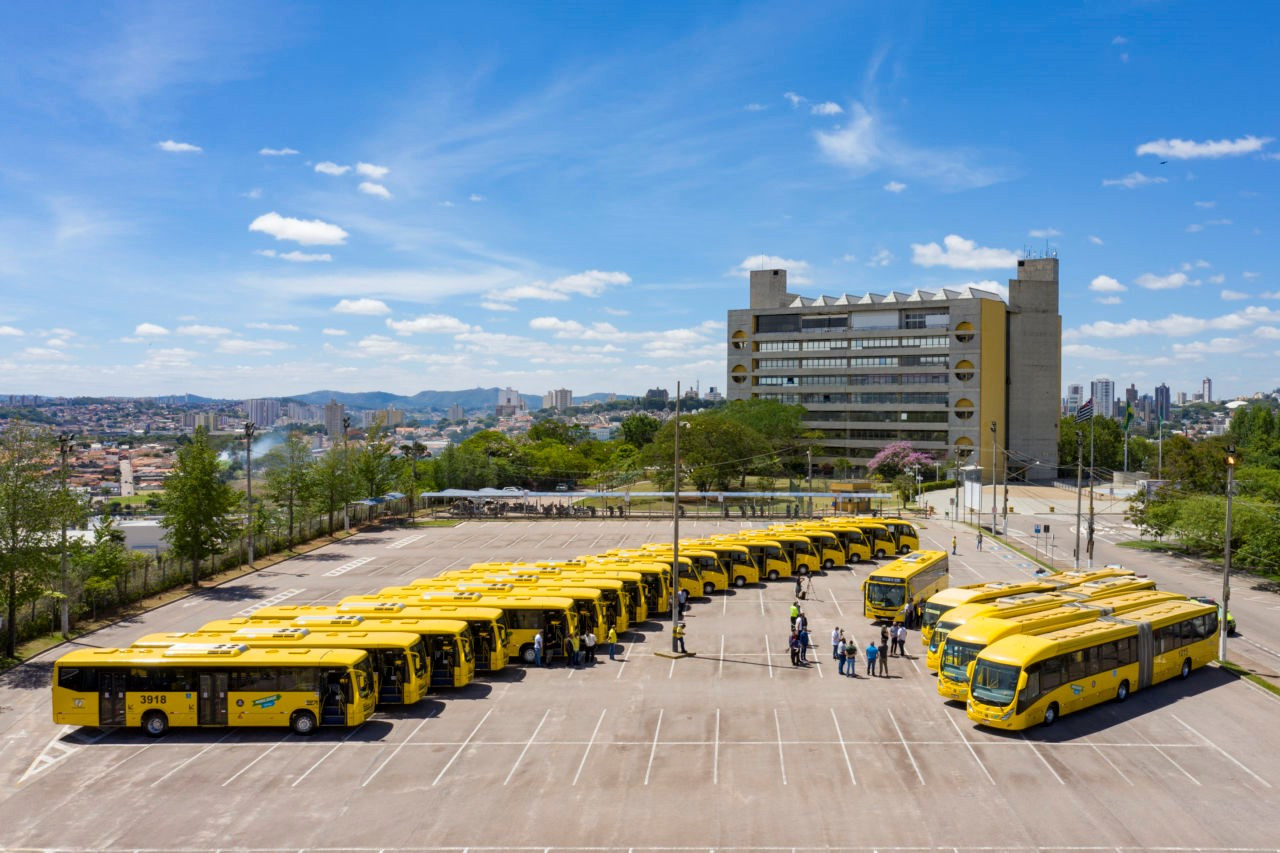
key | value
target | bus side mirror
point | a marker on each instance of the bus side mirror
(968, 670)
(1022, 681)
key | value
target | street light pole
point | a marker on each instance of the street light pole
(808, 456)
(64, 608)
(675, 530)
(1079, 482)
(346, 500)
(249, 428)
(993, 478)
(1226, 559)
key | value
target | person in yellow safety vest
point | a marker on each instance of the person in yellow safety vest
(677, 634)
(612, 640)
(795, 611)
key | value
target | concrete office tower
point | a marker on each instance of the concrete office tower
(334, 412)
(1103, 392)
(510, 403)
(1162, 402)
(935, 368)
(1206, 390)
(1075, 393)
(561, 399)
(264, 413)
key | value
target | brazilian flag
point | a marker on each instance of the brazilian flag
(1128, 416)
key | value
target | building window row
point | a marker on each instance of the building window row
(776, 363)
(778, 346)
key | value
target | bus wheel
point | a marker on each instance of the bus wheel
(904, 549)
(828, 565)
(802, 570)
(303, 723)
(773, 574)
(526, 653)
(1051, 714)
(740, 580)
(880, 552)
(1185, 672)
(1122, 692)
(155, 723)
(708, 588)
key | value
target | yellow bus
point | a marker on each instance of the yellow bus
(1022, 680)
(943, 600)
(488, 624)
(622, 591)
(611, 607)
(633, 594)
(448, 641)
(770, 557)
(695, 564)
(967, 641)
(904, 534)
(825, 546)
(1027, 602)
(226, 685)
(916, 575)
(655, 578)
(401, 666)
(857, 547)
(735, 560)
(879, 537)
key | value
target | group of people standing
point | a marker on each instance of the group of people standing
(577, 650)
(798, 644)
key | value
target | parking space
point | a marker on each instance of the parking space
(736, 745)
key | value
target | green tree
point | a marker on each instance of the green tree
(332, 484)
(639, 429)
(199, 508)
(411, 472)
(31, 511)
(374, 464)
(288, 469)
(105, 565)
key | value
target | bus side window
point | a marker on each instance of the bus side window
(82, 679)
(1032, 691)
(1051, 674)
(1109, 655)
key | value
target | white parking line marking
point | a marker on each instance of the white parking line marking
(1043, 760)
(1109, 762)
(326, 755)
(762, 613)
(654, 750)
(236, 775)
(273, 600)
(715, 755)
(194, 757)
(839, 609)
(903, 740)
(461, 747)
(587, 751)
(347, 566)
(720, 668)
(777, 725)
(843, 747)
(1223, 752)
(627, 659)
(972, 752)
(532, 737)
(408, 540)
(768, 656)
(1169, 758)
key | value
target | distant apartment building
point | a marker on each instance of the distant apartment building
(1162, 402)
(510, 403)
(559, 399)
(1206, 390)
(939, 368)
(660, 395)
(334, 413)
(1074, 393)
(192, 421)
(1103, 392)
(1130, 398)
(1182, 398)
(303, 413)
(456, 413)
(264, 413)
(713, 395)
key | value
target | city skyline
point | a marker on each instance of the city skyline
(206, 203)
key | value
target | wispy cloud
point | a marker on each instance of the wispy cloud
(1106, 284)
(1232, 295)
(369, 170)
(1173, 281)
(337, 333)
(308, 232)
(179, 147)
(244, 346)
(149, 330)
(11, 332)
(277, 152)
(1044, 233)
(440, 324)
(1175, 325)
(1187, 149)
(202, 331)
(880, 258)
(797, 270)
(895, 187)
(365, 307)
(961, 254)
(273, 327)
(370, 188)
(295, 256)
(827, 108)
(755, 108)
(476, 197)
(1095, 240)
(329, 168)
(1133, 180)
(590, 283)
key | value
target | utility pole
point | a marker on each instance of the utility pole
(675, 529)
(993, 478)
(1079, 481)
(808, 456)
(1226, 559)
(346, 503)
(249, 428)
(64, 608)
(1089, 547)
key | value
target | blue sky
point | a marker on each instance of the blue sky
(267, 199)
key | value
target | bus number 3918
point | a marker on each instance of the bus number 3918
(147, 699)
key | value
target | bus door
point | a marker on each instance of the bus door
(1146, 654)
(211, 710)
(112, 684)
(393, 671)
(337, 688)
(442, 660)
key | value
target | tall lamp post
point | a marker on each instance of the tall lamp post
(675, 531)
(808, 457)
(993, 478)
(1226, 559)
(249, 428)
(1079, 485)
(346, 502)
(64, 608)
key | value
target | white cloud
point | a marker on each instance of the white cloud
(895, 186)
(336, 333)
(1194, 228)
(328, 168)
(308, 232)
(11, 332)
(1001, 290)
(1133, 180)
(1117, 41)
(881, 258)
(371, 171)
(1215, 346)
(491, 305)
(1106, 284)
(755, 108)
(1233, 295)
(305, 258)
(827, 108)
(796, 268)
(796, 100)
(1217, 279)
(1198, 264)
(1186, 149)
(364, 307)
(1173, 281)
(864, 144)
(243, 346)
(277, 152)
(266, 253)
(169, 357)
(1206, 204)
(149, 330)
(179, 147)
(273, 327)
(200, 331)
(429, 324)
(370, 188)
(1174, 325)
(961, 254)
(1097, 241)
(476, 197)
(1250, 275)
(589, 283)
(256, 192)
(616, 312)
(1218, 222)
(1271, 333)
(1044, 233)
(1089, 351)
(1109, 300)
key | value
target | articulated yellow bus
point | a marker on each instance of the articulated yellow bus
(488, 624)
(951, 597)
(448, 641)
(917, 575)
(401, 666)
(226, 685)
(1027, 602)
(1021, 680)
(966, 642)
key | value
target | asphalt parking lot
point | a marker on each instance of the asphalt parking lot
(733, 749)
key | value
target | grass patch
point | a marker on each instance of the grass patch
(436, 522)
(1249, 675)
(1153, 546)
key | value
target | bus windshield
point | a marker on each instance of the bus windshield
(956, 658)
(364, 677)
(994, 683)
(933, 612)
(883, 594)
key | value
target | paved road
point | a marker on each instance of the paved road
(731, 750)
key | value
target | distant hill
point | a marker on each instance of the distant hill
(471, 399)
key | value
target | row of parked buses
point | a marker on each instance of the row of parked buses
(1018, 654)
(307, 666)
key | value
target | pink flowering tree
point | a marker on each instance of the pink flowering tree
(896, 459)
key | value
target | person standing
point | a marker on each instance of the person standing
(979, 540)
(883, 658)
(575, 647)
(953, 544)
(795, 612)
(793, 644)
(677, 633)
(871, 658)
(591, 647)
(537, 649)
(839, 655)
(851, 658)
(803, 636)
(612, 640)
(902, 640)
(799, 586)
(835, 642)
(684, 600)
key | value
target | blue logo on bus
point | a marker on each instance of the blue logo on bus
(266, 701)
